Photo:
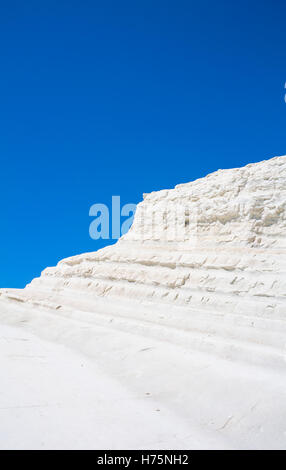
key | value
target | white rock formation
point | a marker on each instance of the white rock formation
(202, 268)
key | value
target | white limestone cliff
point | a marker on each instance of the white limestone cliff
(203, 268)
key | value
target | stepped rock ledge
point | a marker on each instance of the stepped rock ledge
(189, 305)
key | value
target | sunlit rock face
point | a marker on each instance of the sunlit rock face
(203, 265)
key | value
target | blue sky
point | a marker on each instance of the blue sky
(120, 98)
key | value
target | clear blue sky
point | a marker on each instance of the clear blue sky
(102, 98)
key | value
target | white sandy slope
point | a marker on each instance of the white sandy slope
(186, 312)
(54, 398)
